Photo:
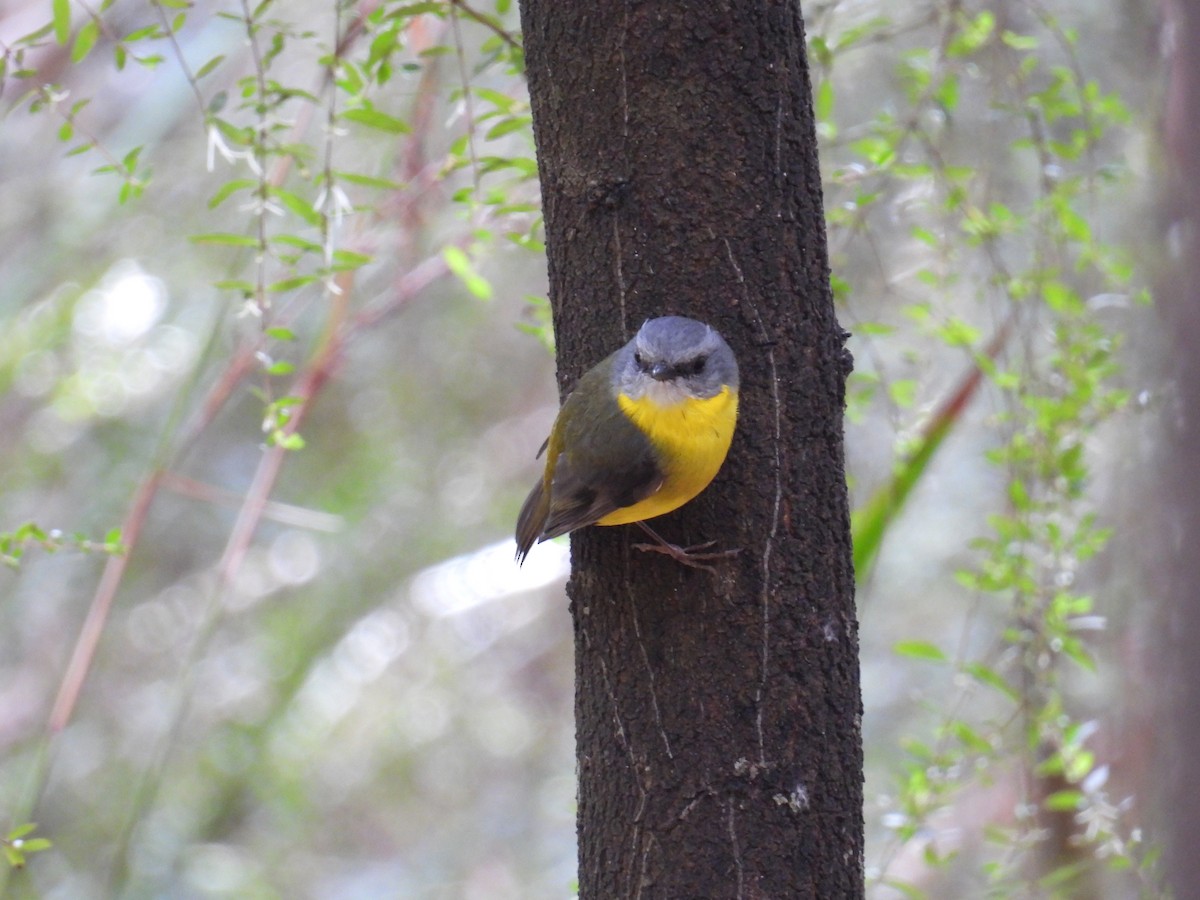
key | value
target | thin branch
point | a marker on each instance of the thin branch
(183, 63)
(486, 22)
(468, 108)
(97, 616)
(276, 511)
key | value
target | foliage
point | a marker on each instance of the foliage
(1022, 233)
(355, 158)
(332, 163)
(18, 846)
(15, 544)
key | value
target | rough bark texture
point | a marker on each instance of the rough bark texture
(718, 718)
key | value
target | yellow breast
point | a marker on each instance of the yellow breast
(691, 437)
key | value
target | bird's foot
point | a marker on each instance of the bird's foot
(695, 556)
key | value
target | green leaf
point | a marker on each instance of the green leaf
(231, 187)
(62, 20)
(373, 118)
(418, 9)
(1074, 225)
(16, 847)
(233, 240)
(1077, 651)
(85, 40)
(818, 50)
(348, 259)
(947, 93)
(824, 99)
(30, 531)
(1019, 41)
(209, 66)
(234, 284)
(460, 264)
(903, 391)
(878, 151)
(507, 126)
(858, 33)
(970, 738)
(496, 98)
(112, 536)
(297, 205)
(972, 35)
(20, 831)
(874, 329)
(291, 284)
(1064, 801)
(992, 679)
(524, 165)
(870, 522)
(148, 33)
(299, 243)
(371, 181)
(920, 650)
(958, 333)
(1018, 495)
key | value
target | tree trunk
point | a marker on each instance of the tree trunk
(718, 717)
(1179, 522)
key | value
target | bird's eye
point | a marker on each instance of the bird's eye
(696, 366)
(640, 362)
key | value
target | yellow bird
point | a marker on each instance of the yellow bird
(645, 430)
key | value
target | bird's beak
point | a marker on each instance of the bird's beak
(661, 372)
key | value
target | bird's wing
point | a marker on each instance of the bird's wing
(605, 464)
(577, 503)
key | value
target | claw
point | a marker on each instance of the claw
(687, 556)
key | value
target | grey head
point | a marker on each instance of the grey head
(673, 358)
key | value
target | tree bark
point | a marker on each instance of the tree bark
(1179, 517)
(718, 717)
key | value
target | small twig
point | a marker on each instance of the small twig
(263, 191)
(476, 16)
(97, 616)
(276, 511)
(468, 109)
(408, 286)
(183, 64)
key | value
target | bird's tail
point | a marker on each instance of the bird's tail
(532, 519)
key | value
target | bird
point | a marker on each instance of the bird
(644, 431)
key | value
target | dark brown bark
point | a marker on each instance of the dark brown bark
(718, 718)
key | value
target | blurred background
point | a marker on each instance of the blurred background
(316, 670)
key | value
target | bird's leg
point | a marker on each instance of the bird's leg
(687, 556)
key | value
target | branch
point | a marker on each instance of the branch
(488, 23)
